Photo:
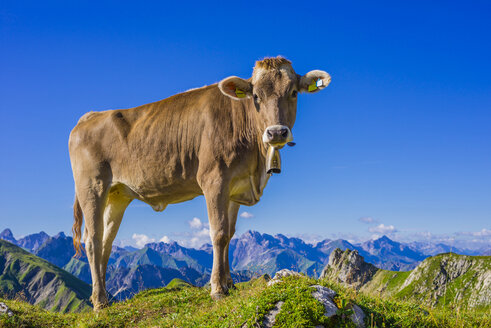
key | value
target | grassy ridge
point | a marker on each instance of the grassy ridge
(445, 280)
(28, 277)
(180, 305)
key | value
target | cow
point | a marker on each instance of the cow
(209, 141)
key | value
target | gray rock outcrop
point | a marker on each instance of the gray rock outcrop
(4, 310)
(326, 297)
(348, 267)
(281, 274)
(270, 318)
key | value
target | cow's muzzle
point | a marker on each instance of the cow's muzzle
(277, 135)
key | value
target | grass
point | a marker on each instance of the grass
(181, 305)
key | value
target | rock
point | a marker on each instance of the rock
(269, 319)
(281, 274)
(358, 316)
(4, 309)
(349, 268)
(325, 296)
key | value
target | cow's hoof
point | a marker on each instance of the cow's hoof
(230, 284)
(100, 306)
(218, 296)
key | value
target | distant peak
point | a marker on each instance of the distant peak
(171, 243)
(61, 234)
(6, 233)
(252, 233)
(384, 238)
(8, 236)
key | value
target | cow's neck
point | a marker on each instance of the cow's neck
(258, 127)
(249, 129)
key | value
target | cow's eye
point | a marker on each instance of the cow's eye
(294, 94)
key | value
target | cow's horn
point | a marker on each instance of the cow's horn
(273, 161)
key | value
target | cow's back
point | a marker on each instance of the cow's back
(155, 149)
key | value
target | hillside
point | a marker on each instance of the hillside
(30, 278)
(459, 281)
(290, 303)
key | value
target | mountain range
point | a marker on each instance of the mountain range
(131, 270)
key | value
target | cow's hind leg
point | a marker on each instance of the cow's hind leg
(92, 194)
(232, 219)
(116, 204)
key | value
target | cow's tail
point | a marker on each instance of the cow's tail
(78, 217)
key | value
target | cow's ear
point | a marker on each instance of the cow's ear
(235, 87)
(314, 81)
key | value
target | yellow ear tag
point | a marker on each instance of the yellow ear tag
(312, 86)
(239, 93)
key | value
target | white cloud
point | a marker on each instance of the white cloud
(383, 229)
(483, 233)
(165, 239)
(141, 239)
(196, 223)
(246, 215)
(424, 234)
(203, 232)
(195, 238)
(367, 219)
(199, 234)
(309, 238)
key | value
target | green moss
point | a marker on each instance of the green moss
(177, 283)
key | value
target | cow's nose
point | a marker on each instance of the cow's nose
(277, 135)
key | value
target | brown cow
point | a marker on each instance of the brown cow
(209, 141)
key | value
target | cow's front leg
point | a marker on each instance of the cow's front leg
(217, 202)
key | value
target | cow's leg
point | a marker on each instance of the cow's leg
(92, 194)
(217, 203)
(113, 215)
(233, 210)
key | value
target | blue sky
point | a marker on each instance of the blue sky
(401, 136)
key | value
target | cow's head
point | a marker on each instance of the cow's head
(273, 88)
